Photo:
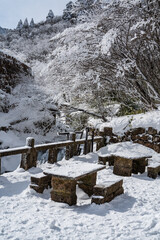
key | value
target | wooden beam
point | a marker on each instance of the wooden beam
(14, 151)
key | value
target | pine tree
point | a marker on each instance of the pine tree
(50, 16)
(32, 23)
(20, 24)
(26, 25)
(67, 13)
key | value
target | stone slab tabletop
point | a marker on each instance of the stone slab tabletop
(126, 150)
(73, 169)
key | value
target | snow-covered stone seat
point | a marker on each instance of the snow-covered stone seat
(153, 171)
(40, 181)
(107, 192)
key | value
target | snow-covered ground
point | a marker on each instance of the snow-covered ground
(27, 215)
(124, 123)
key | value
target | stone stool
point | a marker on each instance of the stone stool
(153, 170)
(40, 181)
(107, 192)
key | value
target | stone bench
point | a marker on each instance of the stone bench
(40, 181)
(106, 158)
(153, 170)
(106, 193)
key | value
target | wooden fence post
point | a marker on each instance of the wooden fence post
(92, 141)
(52, 155)
(29, 160)
(67, 154)
(73, 147)
(78, 146)
(85, 151)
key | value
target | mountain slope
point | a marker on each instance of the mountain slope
(98, 54)
(11, 72)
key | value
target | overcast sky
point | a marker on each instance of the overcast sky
(11, 11)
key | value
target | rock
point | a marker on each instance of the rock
(152, 131)
(108, 131)
(113, 140)
(156, 148)
(136, 131)
(149, 144)
(156, 138)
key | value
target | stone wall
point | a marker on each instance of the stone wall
(149, 137)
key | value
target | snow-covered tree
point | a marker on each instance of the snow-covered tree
(19, 25)
(67, 13)
(81, 10)
(32, 23)
(26, 25)
(50, 16)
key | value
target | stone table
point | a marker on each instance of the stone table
(126, 157)
(65, 176)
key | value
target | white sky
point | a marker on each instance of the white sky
(11, 11)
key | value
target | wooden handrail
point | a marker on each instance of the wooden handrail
(40, 147)
(29, 151)
(14, 151)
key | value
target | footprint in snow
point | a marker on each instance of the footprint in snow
(53, 226)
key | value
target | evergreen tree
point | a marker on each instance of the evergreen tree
(50, 16)
(26, 25)
(67, 13)
(32, 23)
(20, 24)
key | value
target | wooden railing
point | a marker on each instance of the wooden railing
(29, 152)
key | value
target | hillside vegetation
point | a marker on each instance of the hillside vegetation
(97, 54)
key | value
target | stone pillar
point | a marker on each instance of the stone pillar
(139, 165)
(87, 183)
(29, 160)
(122, 166)
(101, 143)
(64, 190)
(52, 155)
